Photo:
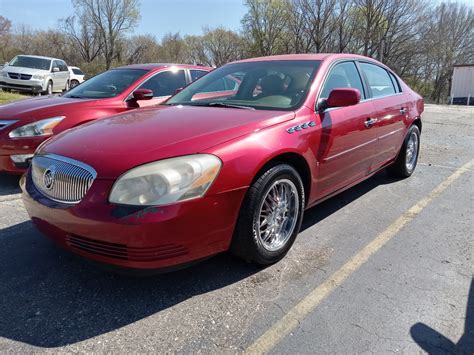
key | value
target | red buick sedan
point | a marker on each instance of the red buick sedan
(26, 124)
(225, 163)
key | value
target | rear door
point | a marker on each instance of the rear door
(164, 84)
(347, 143)
(391, 107)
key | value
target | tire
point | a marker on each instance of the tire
(254, 238)
(73, 84)
(49, 88)
(407, 158)
(7, 90)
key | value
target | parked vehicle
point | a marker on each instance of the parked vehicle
(31, 73)
(24, 125)
(207, 172)
(76, 76)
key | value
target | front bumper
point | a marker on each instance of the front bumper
(15, 147)
(136, 238)
(34, 86)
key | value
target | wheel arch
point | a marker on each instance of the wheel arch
(417, 122)
(295, 160)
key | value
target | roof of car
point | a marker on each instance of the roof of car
(309, 56)
(38, 56)
(152, 66)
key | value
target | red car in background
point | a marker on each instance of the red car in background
(24, 125)
(235, 168)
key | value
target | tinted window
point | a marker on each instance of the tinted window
(395, 82)
(77, 71)
(31, 62)
(165, 83)
(264, 85)
(378, 80)
(196, 74)
(108, 84)
(343, 75)
(63, 66)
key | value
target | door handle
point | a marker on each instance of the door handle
(370, 122)
(403, 110)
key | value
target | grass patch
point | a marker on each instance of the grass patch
(6, 97)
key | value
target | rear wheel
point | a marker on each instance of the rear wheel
(270, 217)
(407, 158)
(74, 83)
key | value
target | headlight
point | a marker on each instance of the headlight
(166, 181)
(35, 129)
(38, 76)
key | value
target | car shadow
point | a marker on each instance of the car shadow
(9, 184)
(435, 343)
(51, 298)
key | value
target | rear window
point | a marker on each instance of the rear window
(378, 79)
(77, 71)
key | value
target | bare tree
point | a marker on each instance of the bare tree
(83, 36)
(111, 19)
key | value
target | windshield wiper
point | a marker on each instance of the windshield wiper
(222, 104)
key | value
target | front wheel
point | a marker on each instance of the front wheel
(407, 158)
(270, 217)
(49, 88)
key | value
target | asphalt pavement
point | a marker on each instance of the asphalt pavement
(384, 267)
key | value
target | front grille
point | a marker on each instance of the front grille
(62, 179)
(19, 76)
(122, 252)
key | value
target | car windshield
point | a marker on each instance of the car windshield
(31, 62)
(108, 84)
(265, 85)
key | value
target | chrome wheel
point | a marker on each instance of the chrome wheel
(278, 215)
(411, 152)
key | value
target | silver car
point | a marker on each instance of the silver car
(36, 74)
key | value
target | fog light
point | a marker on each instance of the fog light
(21, 158)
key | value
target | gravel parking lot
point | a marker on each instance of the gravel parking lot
(384, 267)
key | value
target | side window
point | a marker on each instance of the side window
(63, 66)
(196, 74)
(343, 75)
(378, 80)
(165, 83)
(395, 82)
(56, 64)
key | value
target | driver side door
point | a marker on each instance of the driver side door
(347, 141)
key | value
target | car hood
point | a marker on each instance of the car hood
(116, 144)
(34, 109)
(22, 70)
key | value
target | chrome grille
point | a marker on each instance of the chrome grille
(19, 76)
(62, 179)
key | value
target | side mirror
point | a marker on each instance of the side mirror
(342, 98)
(55, 69)
(142, 94)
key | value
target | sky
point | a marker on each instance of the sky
(157, 16)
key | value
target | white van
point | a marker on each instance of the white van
(36, 74)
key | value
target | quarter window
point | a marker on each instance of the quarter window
(165, 83)
(378, 80)
(343, 75)
(196, 74)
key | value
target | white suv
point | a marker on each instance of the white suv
(35, 74)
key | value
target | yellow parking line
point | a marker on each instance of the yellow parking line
(295, 315)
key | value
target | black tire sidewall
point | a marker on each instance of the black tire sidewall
(412, 129)
(253, 250)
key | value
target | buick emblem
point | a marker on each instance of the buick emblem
(49, 177)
